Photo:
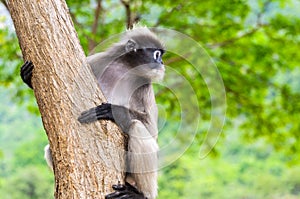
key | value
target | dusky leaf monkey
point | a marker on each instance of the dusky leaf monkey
(125, 73)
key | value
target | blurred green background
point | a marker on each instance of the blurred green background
(255, 46)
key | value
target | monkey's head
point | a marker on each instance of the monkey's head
(143, 54)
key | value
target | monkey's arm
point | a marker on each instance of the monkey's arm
(121, 115)
(142, 156)
(26, 73)
(125, 191)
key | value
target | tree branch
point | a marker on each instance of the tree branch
(129, 21)
(99, 8)
(259, 24)
(87, 159)
(75, 21)
(234, 39)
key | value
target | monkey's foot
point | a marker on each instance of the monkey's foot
(125, 191)
(26, 73)
(102, 111)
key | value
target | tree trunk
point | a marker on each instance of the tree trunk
(88, 159)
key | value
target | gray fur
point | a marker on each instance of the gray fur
(143, 37)
(142, 159)
(130, 86)
(48, 156)
(126, 82)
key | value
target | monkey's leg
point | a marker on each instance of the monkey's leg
(142, 159)
(26, 73)
(125, 191)
(142, 149)
(141, 164)
(48, 156)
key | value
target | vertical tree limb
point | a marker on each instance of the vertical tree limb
(87, 158)
(128, 14)
(92, 43)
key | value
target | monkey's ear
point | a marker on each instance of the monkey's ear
(131, 45)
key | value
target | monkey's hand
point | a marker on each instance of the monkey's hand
(102, 111)
(126, 191)
(121, 115)
(26, 73)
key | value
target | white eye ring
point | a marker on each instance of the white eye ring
(156, 54)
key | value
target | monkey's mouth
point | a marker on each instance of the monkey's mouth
(157, 73)
(159, 67)
(152, 71)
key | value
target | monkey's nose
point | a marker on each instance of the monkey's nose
(160, 61)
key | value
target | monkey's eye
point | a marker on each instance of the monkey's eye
(156, 54)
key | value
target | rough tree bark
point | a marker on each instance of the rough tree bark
(87, 158)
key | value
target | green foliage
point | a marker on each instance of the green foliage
(28, 182)
(244, 38)
(23, 171)
(254, 45)
(252, 171)
(23, 158)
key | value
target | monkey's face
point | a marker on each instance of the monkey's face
(147, 63)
